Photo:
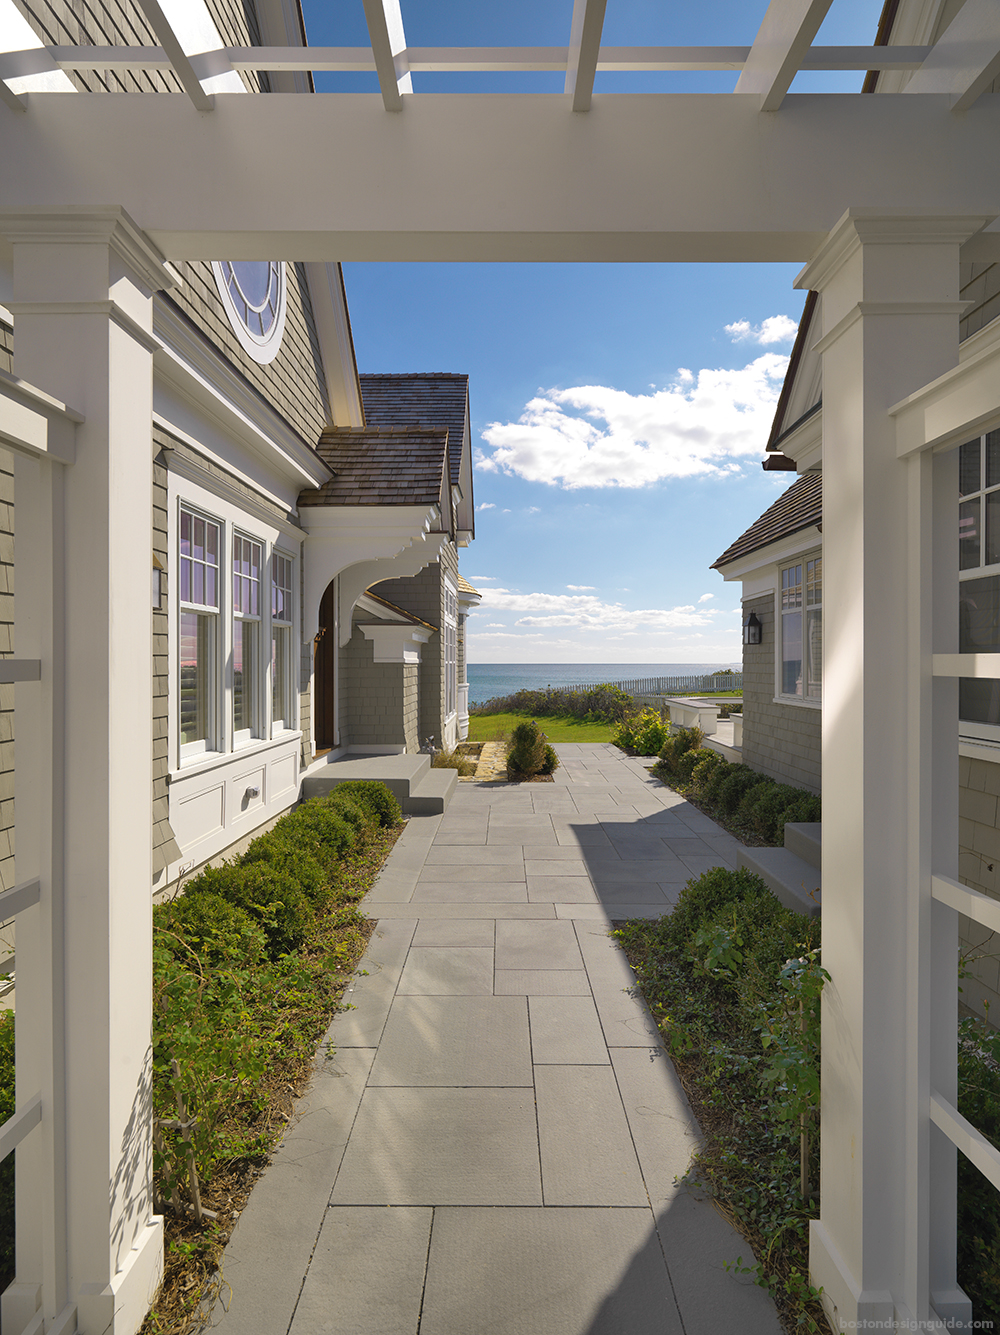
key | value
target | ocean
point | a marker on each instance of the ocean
(487, 680)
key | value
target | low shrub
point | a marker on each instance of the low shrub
(752, 797)
(319, 828)
(603, 703)
(677, 744)
(280, 850)
(375, 799)
(698, 765)
(530, 753)
(978, 1199)
(269, 896)
(643, 733)
(465, 765)
(736, 780)
(209, 927)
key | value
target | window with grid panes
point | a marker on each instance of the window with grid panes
(282, 715)
(450, 650)
(802, 629)
(199, 588)
(979, 579)
(247, 555)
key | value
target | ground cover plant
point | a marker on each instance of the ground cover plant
(465, 765)
(604, 703)
(250, 965)
(733, 979)
(558, 728)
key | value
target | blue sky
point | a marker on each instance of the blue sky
(619, 412)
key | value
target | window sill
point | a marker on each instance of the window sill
(797, 702)
(211, 760)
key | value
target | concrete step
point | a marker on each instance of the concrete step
(400, 774)
(805, 839)
(432, 794)
(791, 878)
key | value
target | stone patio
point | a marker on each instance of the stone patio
(490, 1146)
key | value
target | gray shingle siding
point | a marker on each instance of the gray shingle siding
(783, 741)
(7, 879)
(165, 847)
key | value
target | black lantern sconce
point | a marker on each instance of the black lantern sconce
(752, 629)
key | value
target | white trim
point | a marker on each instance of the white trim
(196, 471)
(188, 362)
(797, 702)
(775, 554)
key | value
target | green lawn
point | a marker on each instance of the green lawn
(560, 728)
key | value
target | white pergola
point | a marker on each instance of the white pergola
(880, 197)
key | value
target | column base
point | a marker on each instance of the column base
(844, 1303)
(18, 1304)
(119, 1308)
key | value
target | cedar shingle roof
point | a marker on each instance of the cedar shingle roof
(428, 399)
(465, 587)
(799, 507)
(383, 466)
(399, 611)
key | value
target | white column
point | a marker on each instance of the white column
(890, 317)
(83, 319)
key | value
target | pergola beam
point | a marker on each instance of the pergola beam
(584, 50)
(445, 59)
(385, 32)
(682, 177)
(782, 42)
(966, 57)
(175, 53)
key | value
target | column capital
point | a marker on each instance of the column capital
(107, 226)
(859, 227)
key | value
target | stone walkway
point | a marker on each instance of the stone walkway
(492, 1144)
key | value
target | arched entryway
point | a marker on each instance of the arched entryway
(325, 731)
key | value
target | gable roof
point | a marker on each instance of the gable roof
(422, 398)
(801, 506)
(384, 466)
(465, 587)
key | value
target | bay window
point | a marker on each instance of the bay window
(282, 715)
(200, 545)
(246, 637)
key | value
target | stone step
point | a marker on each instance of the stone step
(432, 794)
(400, 774)
(795, 881)
(805, 838)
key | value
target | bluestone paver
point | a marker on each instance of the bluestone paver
(495, 1145)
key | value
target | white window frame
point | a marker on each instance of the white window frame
(449, 635)
(244, 616)
(970, 730)
(810, 564)
(210, 743)
(286, 625)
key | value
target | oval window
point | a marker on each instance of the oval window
(253, 293)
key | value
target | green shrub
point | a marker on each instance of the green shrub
(271, 897)
(978, 1199)
(318, 828)
(374, 798)
(643, 733)
(702, 763)
(702, 898)
(279, 850)
(677, 743)
(714, 781)
(755, 794)
(603, 703)
(530, 754)
(350, 810)
(211, 927)
(737, 781)
(7, 1109)
(768, 818)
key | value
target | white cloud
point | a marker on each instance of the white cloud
(493, 625)
(483, 579)
(485, 505)
(587, 612)
(582, 588)
(775, 329)
(705, 597)
(596, 436)
(534, 510)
